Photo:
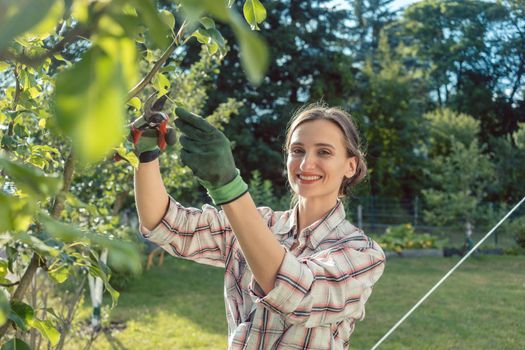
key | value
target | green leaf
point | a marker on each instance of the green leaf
(168, 19)
(125, 254)
(90, 97)
(22, 315)
(254, 52)
(201, 36)
(135, 103)
(31, 180)
(4, 66)
(217, 37)
(5, 308)
(60, 274)
(3, 268)
(212, 39)
(49, 331)
(161, 84)
(52, 312)
(24, 15)
(16, 214)
(130, 157)
(130, 23)
(15, 344)
(98, 271)
(38, 245)
(216, 8)
(47, 25)
(158, 29)
(74, 201)
(207, 22)
(254, 12)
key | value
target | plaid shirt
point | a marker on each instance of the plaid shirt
(321, 287)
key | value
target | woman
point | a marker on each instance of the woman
(294, 279)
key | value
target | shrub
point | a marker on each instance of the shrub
(401, 237)
(520, 236)
(263, 194)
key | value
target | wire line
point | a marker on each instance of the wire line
(446, 276)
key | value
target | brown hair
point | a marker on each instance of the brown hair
(344, 121)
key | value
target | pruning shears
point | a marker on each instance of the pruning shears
(152, 123)
(154, 118)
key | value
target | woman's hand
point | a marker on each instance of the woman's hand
(150, 136)
(207, 152)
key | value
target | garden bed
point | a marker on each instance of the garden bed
(445, 252)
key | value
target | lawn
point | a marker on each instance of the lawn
(481, 306)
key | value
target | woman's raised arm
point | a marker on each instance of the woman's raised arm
(151, 196)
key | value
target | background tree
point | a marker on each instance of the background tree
(306, 40)
(389, 103)
(460, 173)
(471, 51)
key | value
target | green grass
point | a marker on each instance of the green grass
(481, 306)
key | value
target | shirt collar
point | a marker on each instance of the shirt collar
(316, 232)
(324, 226)
(287, 223)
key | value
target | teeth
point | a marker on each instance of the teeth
(309, 178)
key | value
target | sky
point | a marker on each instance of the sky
(397, 4)
(402, 3)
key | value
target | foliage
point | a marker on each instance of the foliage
(509, 160)
(263, 194)
(446, 127)
(69, 81)
(470, 51)
(401, 237)
(389, 113)
(306, 43)
(387, 69)
(516, 229)
(460, 173)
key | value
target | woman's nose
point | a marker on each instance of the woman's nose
(308, 162)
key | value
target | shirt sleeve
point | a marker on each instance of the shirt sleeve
(203, 235)
(326, 287)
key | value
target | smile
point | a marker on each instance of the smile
(309, 178)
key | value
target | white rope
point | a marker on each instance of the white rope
(446, 276)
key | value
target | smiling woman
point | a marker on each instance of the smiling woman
(331, 134)
(294, 279)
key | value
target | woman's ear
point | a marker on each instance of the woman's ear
(351, 167)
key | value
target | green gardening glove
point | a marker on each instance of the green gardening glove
(207, 152)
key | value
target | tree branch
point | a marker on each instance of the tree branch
(72, 36)
(9, 284)
(69, 168)
(146, 80)
(22, 287)
(18, 88)
(71, 312)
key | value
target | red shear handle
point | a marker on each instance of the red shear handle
(163, 130)
(136, 134)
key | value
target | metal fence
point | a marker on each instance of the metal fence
(375, 214)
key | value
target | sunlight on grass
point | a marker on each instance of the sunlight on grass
(180, 306)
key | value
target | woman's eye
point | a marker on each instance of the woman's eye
(325, 152)
(296, 151)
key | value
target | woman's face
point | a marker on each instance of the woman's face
(317, 160)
